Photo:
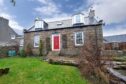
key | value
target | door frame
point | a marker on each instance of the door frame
(53, 42)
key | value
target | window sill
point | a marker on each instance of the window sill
(36, 46)
(78, 45)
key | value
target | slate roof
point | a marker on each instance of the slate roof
(115, 38)
(56, 24)
(5, 31)
(66, 23)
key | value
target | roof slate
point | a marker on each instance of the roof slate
(115, 38)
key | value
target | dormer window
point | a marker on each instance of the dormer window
(77, 19)
(12, 36)
(40, 24)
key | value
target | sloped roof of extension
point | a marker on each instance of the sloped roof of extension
(61, 24)
(115, 38)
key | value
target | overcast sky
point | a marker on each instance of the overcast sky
(23, 14)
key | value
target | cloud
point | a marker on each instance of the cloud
(49, 8)
(109, 31)
(110, 11)
(1, 2)
(12, 22)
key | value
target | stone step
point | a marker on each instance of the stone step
(53, 53)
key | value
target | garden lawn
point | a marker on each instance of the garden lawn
(34, 71)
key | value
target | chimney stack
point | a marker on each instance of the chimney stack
(91, 13)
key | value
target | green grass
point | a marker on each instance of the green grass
(34, 71)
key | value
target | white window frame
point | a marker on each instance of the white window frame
(75, 35)
(78, 18)
(39, 24)
(74, 19)
(36, 37)
(13, 36)
(21, 42)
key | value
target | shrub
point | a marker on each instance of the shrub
(3, 51)
(29, 50)
(48, 46)
(90, 63)
(40, 48)
(22, 53)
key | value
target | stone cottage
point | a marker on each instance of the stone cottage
(66, 37)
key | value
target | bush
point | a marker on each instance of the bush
(3, 51)
(29, 50)
(48, 46)
(22, 53)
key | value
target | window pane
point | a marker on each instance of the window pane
(64, 41)
(38, 24)
(36, 40)
(12, 36)
(21, 42)
(78, 18)
(79, 38)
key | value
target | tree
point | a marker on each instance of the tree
(91, 65)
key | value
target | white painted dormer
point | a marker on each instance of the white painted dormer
(78, 18)
(39, 24)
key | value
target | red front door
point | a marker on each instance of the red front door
(56, 42)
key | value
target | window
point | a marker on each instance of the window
(64, 41)
(36, 40)
(12, 36)
(38, 24)
(48, 45)
(79, 38)
(59, 24)
(78, 19)
(21, 42)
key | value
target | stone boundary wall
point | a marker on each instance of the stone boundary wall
(113, 53)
